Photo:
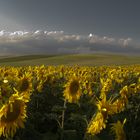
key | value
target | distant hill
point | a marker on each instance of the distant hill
(72, 59)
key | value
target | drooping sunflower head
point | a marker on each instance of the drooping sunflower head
(117, 129)
(72, 90)
(12, 115)
(105, 106)
(96, 124)
(101, 105)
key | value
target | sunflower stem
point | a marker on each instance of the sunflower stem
(63, 115)
(62, 123)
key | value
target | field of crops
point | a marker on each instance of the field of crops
(70, 103)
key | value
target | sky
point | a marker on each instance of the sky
(69, 26)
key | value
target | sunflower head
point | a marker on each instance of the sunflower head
(12, 115)
(96, 124)
(72, 90)
(24, 84)
(105, 106)
(117, 129)
(74, 87)
(12, 111)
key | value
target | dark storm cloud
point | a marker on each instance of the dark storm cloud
(114, 18)
(115, 24)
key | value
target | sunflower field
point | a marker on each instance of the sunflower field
(70, 103)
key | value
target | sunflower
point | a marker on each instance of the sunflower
(121, 102)
(13, 114)
(25, 83)
(117, 128)
(106, 107)
(96, 124)
(72, 90)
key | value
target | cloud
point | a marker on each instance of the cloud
(53, 42)
(125, 42)
(101, 40)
